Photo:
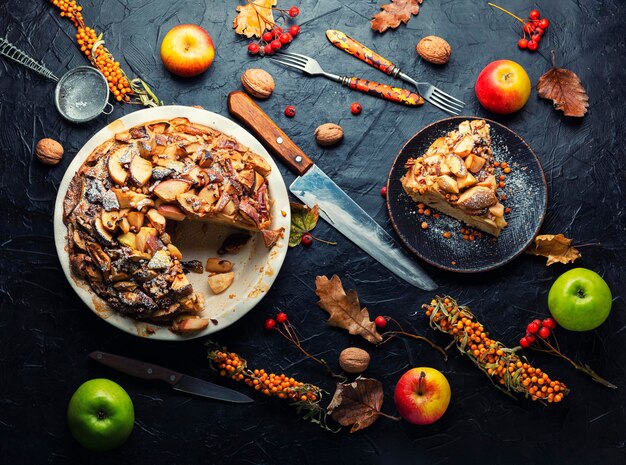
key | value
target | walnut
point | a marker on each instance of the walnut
(354, 360)
(49, 151)
(258, 83)
(434, 50)
(328, 134)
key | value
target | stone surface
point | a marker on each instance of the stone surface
(47, 332)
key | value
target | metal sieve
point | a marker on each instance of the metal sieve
(80, 95)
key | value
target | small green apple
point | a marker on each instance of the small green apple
(100, 415)
(580, 300)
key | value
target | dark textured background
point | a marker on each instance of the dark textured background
(47, 331)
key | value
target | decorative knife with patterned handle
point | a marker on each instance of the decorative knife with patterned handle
(363, 53)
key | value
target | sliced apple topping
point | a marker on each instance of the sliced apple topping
(160, 261)
(104, 236)
(171, 212)
(174, 252)
(128, 240)
(466, 181)
(497, 210)
(181, 284)
(170, 189)
(456, 164)
(465, 146)
(258, 163)
(140, 170)
(219, 265)
(124, 225)
(220, 282)
(110, 219)
(448, 184)
(116, 169)
(477, 197)
(142, 238)
(192, 204)
(135, 219)
(474, 163)
(189, 324)
(157, 220)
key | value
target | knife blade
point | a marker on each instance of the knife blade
(178, 381)
(314, 187)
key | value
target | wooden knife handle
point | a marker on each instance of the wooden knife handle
(136, 368)
(394, 94)
(241, 106)
(357, 49)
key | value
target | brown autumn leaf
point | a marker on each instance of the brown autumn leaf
(254, 18)
(564, 88)
(344, 308)
(394, 13)
(357, 403)
(557, 248)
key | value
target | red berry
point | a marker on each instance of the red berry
(383, 192)
(537, 321)
(356, 108)
(268, 49)
(539, 31)
(532, 45)
(534, 14)
(544, 332)
(294, 30)
(532, 328)
(522, 43)
(275, 44)
(528, 28)
(524, 342)
(290, 111)
(307, 240)
(531, 338)
(253, 48)
(281, 317)
(270, 324)
(294, 11)
(380, 322)
(549, 323)
(277, 31)
(535, 37)
(268, 36)
(285, 38)
(544, 23)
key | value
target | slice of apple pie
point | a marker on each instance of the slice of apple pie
(120, 202)
(456, 177)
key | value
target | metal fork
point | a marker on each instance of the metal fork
(430, 93)
(311, 67)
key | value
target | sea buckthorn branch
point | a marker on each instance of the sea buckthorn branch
(504, 368)
(304, 396)
(91, 44)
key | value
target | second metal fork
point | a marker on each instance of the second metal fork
(311, 67)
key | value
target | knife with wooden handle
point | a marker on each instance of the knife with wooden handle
(313, 187)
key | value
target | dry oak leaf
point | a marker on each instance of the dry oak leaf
(394, 13)
(357, 403)
(254, 18)
(344, 308)
(557, 248)
(564, 88)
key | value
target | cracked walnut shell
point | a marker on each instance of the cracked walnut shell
(258, 83)
(434, 50)
(328, 134)
(49, 151)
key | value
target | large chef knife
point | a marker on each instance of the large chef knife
(313, 187)
(177, 380)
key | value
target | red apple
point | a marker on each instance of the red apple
(422, 395)
(503, 87)
(187, 50)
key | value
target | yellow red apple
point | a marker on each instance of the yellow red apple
(187, 50)
(503, 87)
(422, 395)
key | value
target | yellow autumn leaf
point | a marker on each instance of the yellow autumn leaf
(557, 248)
(254, 18)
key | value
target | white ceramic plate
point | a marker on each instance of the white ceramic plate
(256, 267)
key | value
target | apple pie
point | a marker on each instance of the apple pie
(456, 176)
(120, 202)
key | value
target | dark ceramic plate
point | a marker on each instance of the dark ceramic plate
(527, 196)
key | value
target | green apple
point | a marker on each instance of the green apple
(580, 300)
(100, 415)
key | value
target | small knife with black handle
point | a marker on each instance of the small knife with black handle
(178, 381)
